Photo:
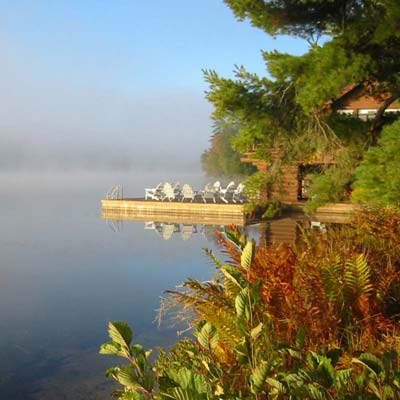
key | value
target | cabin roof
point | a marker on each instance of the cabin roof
(358, 97)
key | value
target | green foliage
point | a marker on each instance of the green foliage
(334, 183)
(135, 377)
(256, 190)
(221, 160)
(377, 179)
(257, 184)
(305, 322)
(320, 74)
(289, 106)
(310, 19)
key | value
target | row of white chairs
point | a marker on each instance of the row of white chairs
(214, 192)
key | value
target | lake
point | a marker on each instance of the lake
(65, 273)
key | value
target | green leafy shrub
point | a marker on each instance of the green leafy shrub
(318, 320)
(334, 183)
(377, 179)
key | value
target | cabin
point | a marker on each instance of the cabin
(294, 180)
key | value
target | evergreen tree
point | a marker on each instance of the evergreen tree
(359, 45)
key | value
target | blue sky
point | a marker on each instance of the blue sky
(99, 83)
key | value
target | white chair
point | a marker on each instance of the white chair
(208, 193)
(154, 193)
(227, 193)
(187, 193)
(217, 186)
(167, 192)
(237, 194)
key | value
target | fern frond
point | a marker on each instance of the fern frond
(357, 277)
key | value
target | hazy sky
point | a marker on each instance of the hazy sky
(117, 83)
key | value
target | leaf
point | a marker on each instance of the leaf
(111, 348)
(184, 394)
(343, 377)
(371, 362)
(132, 396)
(388, 392)
(326, 372)
(125, 376)
(279, 386)
(256, 332)
(111, 372)
(233, 274)
(315, 392)
(208, 336)
(205, 363)
(294, 353)
(233, 237)
(183, 377)
(247, 255)
(120, 332)
(258, 377)
(188, 380)
(357, 277)
(241, 304)
(213, 257)
(219, 391)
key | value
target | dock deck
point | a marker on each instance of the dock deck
(201, 213)
(139, 209)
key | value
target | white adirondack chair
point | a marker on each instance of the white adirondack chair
(187, 193)
(167, 192)
(217, 186)
(154, 193)
(208, 193)
(237, 194)
(227, 193)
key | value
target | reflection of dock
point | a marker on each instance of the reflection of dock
(283, 230)
(188, 213)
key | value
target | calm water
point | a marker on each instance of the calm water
(65, 273)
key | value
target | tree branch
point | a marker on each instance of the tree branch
(377, 122)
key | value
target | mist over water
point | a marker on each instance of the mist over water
(51, 124)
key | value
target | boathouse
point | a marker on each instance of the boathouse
(293, 182)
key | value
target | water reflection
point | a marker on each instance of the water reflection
(167, 230)
(286, 229)
(65, 273)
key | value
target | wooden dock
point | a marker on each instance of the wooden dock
(336, 213)
(134, 209)
(184, 212)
